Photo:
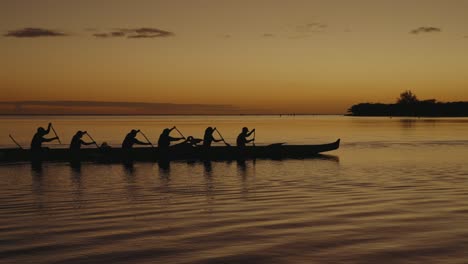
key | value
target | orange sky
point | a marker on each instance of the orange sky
(272, 56)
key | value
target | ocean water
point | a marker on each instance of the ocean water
(395, 192)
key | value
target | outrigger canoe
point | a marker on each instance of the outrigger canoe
(177, 152)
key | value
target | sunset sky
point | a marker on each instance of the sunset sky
(274, 56)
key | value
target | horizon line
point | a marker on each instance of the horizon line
(245, 114)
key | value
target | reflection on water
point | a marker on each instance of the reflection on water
(75, 166)
(129, 168)
(164, 166)
(77, 188)
(208, 168)
(229, 212)
(36, 168)
(241, 167)
(391, 194)
(407, 123)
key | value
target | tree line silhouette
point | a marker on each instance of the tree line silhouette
(409, 105)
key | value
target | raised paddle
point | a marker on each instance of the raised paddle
(179, 132)
(15, 142)
(143, 134)
(221, 136)
(53, 129)
(93, 140)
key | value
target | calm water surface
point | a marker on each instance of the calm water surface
(395, 192)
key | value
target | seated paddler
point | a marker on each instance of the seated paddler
(208, 138)
(38, 138)
(131, 140)
(77, 141)
(242, 138)
(165, 139)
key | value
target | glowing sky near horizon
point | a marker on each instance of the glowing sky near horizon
(273, 56)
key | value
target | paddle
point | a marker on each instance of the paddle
(253, 144)
(53, 129)
(16, 142)
(179, 132)
(146, 138)
(253, 141)
(93, 140)
(221, 136)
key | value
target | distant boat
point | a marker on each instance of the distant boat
(177, 152)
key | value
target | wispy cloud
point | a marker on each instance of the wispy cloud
(117, 34)
(145, 36)
(34, 33)
(307, 30)
(143, 32)
(268, 35)
(421, 30)
(110, 34)
(101, 35)
(314, 27)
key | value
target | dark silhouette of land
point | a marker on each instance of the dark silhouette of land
(409, 105)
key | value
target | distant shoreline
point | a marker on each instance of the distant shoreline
(408, 105)
(428, 108)
(406, 116)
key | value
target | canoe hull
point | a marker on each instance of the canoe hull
(178, 152)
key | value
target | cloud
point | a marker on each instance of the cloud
(153, 31)
(307, 30)
(268, 35)
(314, 27)
(425, 30)
(110, 34)
(101, 35)
(117, 34)
(34, 33)
(143, 32)
(144, 36)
